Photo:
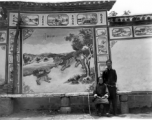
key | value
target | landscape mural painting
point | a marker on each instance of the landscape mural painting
(57, 60)
(2, 64)
(132, 59)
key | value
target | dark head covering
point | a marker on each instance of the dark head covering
(109, 61)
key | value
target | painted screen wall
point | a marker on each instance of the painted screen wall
(66, 52)
(58, 50)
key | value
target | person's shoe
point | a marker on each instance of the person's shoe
(99, 114)
(108, 114)
(114, 114)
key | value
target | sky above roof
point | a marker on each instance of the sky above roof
(135, 6)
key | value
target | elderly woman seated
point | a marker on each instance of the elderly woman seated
(101, 95)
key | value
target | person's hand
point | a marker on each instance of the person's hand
(105, 96)
(95, 95)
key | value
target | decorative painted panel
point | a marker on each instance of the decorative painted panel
(56, 60)
(102, 45)
(101, 68)
(87, 19)
(101, 48)
(101, 32)
(13, 18)
(10, 58)
(120, 32)
(3, 36)
(11, 41)
(12, 33)
(30, 19)
(59, 19)
(102, 58)
(2, 63)
(101, 41)
(10, 73)
(143, 31)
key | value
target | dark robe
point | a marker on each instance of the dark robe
(109, 77)
(101, 90)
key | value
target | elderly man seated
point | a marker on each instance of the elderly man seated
(101, 95)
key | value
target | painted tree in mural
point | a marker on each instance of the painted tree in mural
(83, 43)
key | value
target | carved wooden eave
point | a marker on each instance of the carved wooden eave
(64, 6)
(130, 20)
(74, 7)
(142, 19)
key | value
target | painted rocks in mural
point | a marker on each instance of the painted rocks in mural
(58, 60)
(143, 30)
(87, 19)
(121, 32)
(58, 20)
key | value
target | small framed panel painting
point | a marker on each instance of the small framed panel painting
(101, 31)
(102, 45)
(30, 19)
(143, 31)
(102, 58)
(58, 20)
(120, 32)
(101, 68)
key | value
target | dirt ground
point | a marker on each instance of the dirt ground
(39, 115)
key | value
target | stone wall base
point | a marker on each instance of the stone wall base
(6, 106)
(126, 104)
